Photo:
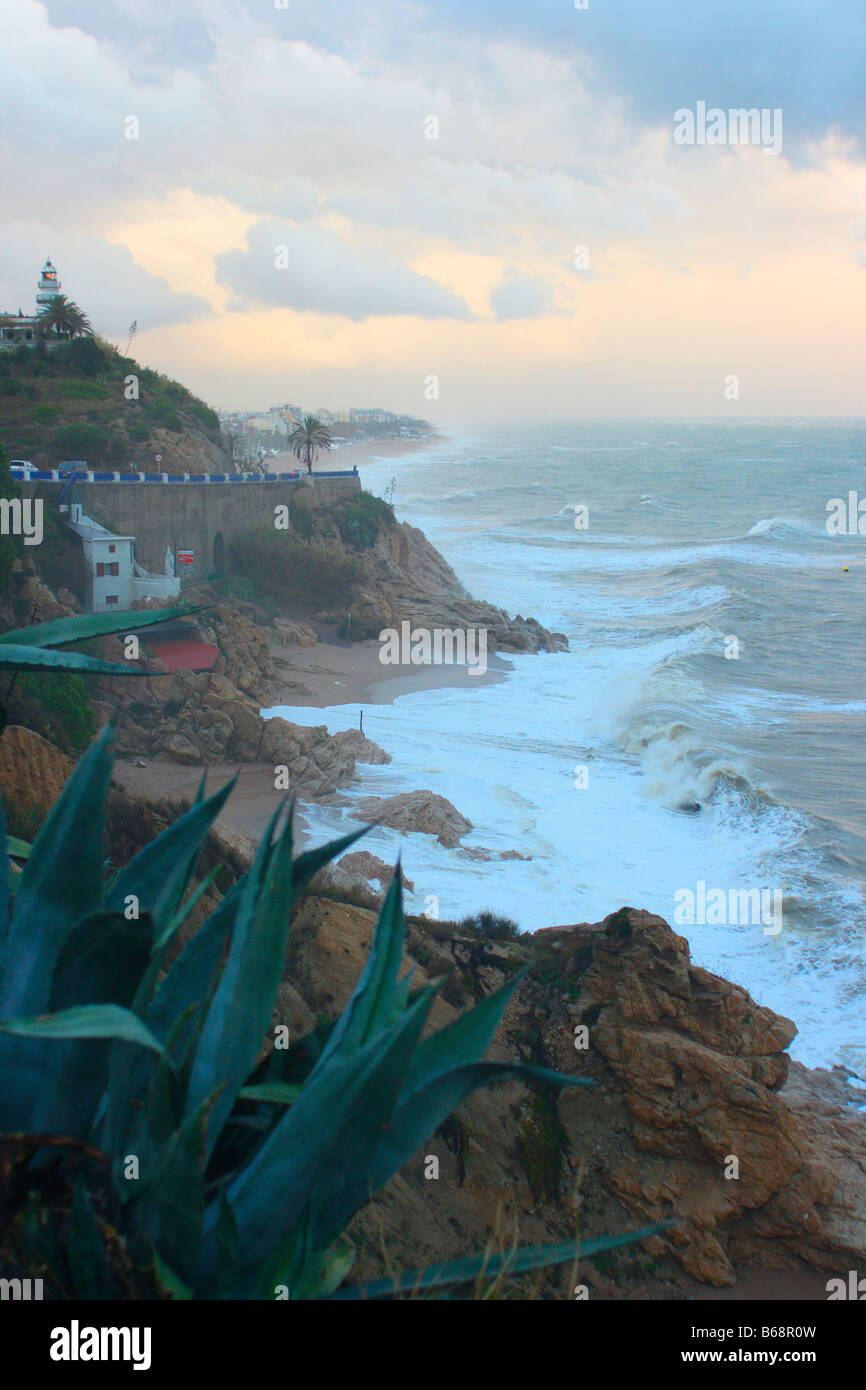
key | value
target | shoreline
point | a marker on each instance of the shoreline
(356, 455)
(335, 673)
(326, 675)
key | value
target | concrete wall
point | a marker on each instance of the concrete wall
(186, 516)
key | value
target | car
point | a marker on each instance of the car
(21, 468)
(72, 466)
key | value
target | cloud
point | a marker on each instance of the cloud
(307, 267)
(521, 297)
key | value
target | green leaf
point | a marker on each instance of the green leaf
(229, 1247)
(192, 977)
(4, 891)
(464, 1040)
(330, 1134)
(243, 1002)
(159, 873)
(465, 1271)
(84, 625)
(186, 907)
(415, 1119)
(308, 864)
(20, 657)
(19, 848)
(170, 1014)
(61, 882)
(88, 1021)
(276, 1092)
(370, 1006)
(171, 1282)
(100, 962)
(169, 1206)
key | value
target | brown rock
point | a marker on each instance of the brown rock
(420, 810)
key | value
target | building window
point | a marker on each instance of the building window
(111, 549)
(113, 568)
(111, 598)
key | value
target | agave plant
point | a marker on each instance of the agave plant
(241, 1174)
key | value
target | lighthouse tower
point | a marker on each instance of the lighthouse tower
(48, 285)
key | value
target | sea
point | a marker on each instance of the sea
(707, 725)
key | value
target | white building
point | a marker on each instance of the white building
(112, 578)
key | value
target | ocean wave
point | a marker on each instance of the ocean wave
(786, 528)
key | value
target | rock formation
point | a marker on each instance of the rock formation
(689, 1073)
(409, 579)
(420, 810)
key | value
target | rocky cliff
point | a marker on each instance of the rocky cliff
(407, 579)
(696, 1113)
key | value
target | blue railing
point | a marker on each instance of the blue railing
(53, 476)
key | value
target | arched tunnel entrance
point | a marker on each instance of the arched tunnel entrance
(219, 553)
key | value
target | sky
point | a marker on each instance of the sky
(462, 211)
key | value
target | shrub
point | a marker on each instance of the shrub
(360, 518)
(137, 429)
(314, 572)
(86, 355)
(43, 414)
(76, 389)
(491, 925)
(302, 508)
(80, 441)
(70, 719)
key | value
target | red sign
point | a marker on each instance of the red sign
(186, 557)
(157, 458)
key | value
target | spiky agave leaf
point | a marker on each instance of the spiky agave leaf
(242, 1003)
(168, 1206)
(81, 626)
(25, 657)
(100, 962)
(494, 1265)
(329, 1134)
(370, 1007)
(60, 884)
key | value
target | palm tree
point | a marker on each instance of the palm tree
(63, 317)
(307, 438)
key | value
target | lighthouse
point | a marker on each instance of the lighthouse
(48, 285)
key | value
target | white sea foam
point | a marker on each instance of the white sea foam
(644, 701)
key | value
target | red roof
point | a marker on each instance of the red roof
(185, 654)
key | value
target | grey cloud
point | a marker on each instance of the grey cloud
(325, 275)
(520, 297)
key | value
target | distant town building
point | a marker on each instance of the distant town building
(20, 329)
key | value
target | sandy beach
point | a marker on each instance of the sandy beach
(350, 673)
(330, 673)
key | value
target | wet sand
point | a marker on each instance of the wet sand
(336, 674)
(329, 673)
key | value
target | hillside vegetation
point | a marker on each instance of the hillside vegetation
(85, 400)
